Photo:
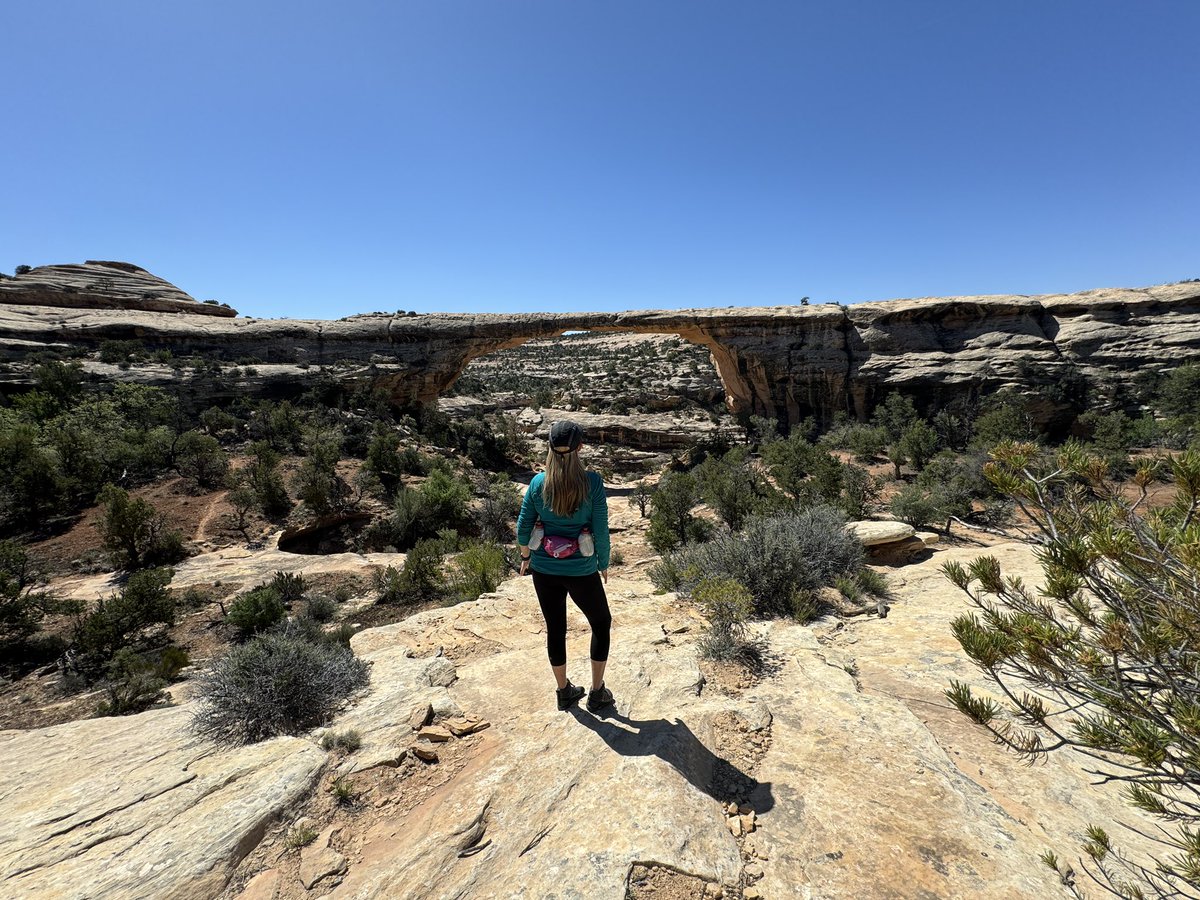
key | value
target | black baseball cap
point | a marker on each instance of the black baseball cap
(565, 434)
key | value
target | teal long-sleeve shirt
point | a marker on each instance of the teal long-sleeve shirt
(592, 513)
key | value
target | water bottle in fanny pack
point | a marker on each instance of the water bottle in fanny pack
(587, 544)
(539, 531)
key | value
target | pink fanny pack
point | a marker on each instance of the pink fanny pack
(560, 547)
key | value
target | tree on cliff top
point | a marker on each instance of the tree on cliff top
(1104, 657)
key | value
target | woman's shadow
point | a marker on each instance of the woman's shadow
(674, 743)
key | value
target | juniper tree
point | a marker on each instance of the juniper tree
(1104, 658)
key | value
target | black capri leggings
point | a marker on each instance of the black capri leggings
(588, 593)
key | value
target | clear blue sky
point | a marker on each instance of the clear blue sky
(326, 158)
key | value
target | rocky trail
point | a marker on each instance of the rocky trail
(838, 772)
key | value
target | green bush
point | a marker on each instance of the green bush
(320, 609)
(263, 477)
(256, 610)
(895, 416)
(773, 557)
(289, 585)
(317, 482)
(275, 684)
(671, 522)
(132, 686)
(200, 458)
(135, 533)
(478, 569)
(730, 486)
(498, 509)
(805, 472)
(918, 444)
(915, 506)
(348, 741)
(727, 605)
(419, 579)
(640, 497)
(105, 630)
(1102, 656)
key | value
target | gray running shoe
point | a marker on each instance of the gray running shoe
(568, 696)
(599, 698)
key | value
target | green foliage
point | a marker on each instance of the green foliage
(263, 478)
(275, 684)
(135, 533)
(217, 421)
(22, 606)
(114, 352)
(895, 416)
(1005, 418)
(290, 586)
(727, 605)
(918, 443)
(132, 685)
(1103, 657)
(256, 610)
(348, 741)
(730, 486)
(22, 270)
(387, 462)
(111, 624)
(300, 836)
(805, 472)
(444, 499)
(478, 569)
(320, 609)
(419, 579)
(859, 491)
(616, 557)
(200, 458)
(640, 497)
(1178, 394)
(498, 509)
(671, 522)
(279, 425)
(773, 557)
(915, 506)
(317, 483)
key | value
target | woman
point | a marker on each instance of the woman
(569, 502)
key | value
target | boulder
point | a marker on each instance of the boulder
(872, 533)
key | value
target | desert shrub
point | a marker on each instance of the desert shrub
(773, 557)
(289, 585)
(501, 501)
(256, 610)
(243, 500)
(131, 687)
(344, 792)
(22, 270)
(730, 486)
(866, 442)
(21, 605)
(1005, 417)
(419, 579)
(918, 444)
(806, 606)
(727, 605)
(317, 482)
(915, 505)
(671, 522)
(135, 533)
(274, 684)
(216, 420)
(320, 609)
(200, 458)
(263, 478)
(113, 352)
(300, 836)
(859, 491)
(895, 415)
(348, 741)
(478, 569)
(616, 557)
(388, 462)
(108, 627)
(872, 582)
(278, 424)
(805, 472)
(640, 497)
(1103, 657)
(445, 499)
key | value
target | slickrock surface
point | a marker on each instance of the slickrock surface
(841, 773)
(98, 284)
(787, 362)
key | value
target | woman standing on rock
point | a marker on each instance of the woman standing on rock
(571, 557)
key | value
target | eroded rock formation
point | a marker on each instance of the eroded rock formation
(787, 362)
(99, 284)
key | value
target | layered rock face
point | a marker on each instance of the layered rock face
(786, 362)
(98, 284)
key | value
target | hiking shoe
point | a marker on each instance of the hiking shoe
(599, 698)
(568, 696)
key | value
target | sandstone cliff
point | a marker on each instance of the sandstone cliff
(98, 284)
(788, 362)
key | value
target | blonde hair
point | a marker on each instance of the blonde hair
(566, 484)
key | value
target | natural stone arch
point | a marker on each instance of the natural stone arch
(737, 397)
